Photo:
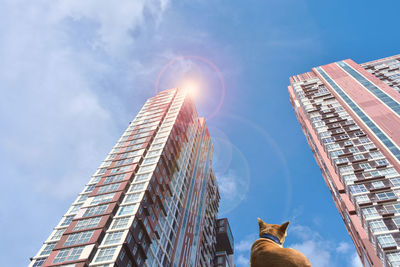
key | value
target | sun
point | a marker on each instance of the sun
(191, 87)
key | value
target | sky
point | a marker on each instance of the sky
(75, 73)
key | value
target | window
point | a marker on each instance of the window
(87, 223)
(393, 258)
(392, 208)
(136, 187)
(95, 210)
(382, 162)
(39, 262)
(78, 238)
(105, 254)
(341, 160)
(120, 169)
(76, 208)
(89, 188)
(377, 226)
(376, 154)
(386, 195)
(395, 181)
(378, 184)
(147, 168)
(113, 237)
(108, 188)
(386, 241)
(49, 247)
(353, 149)
(349, 178)
(83, 198)
(365, 166)
(142, 177)
(132, 197)
(114, 178)
(369, 212)
(361, 199)
(67, 220)
(69, 254)
(150, 160)
(358, 157)
(345, 169)
(102, 198)
(58, 233)
(123, 210)
(120, 223)
(397, 221)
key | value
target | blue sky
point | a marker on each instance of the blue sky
(74, 73)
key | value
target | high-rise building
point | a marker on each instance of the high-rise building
(224, 247)
(152, 202)
(350, 115)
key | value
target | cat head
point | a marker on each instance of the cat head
(277, 230)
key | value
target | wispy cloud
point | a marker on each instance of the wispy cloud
(68, 68)
(242, 250)
(355, 260)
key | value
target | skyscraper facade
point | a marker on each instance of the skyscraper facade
(350, 115)
(152, 202)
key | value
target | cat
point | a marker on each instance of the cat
(268, 250)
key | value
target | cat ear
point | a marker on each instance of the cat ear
(284, 227)
(260, 223)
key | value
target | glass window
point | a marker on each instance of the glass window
(120, 223)
(392, 208)
(114, 178)
(377, 184)
(357, 188)
(137, 187)
(57, 234)
(108, 188)
(49, 247)
(67, 220)
(377, 226)
(386, 240)
(365, 166)
(132, 197)
(69, 254)
(76, 208)
(105, 254)
(369, 212)
(102, 199)
(142, 177)
(393, 258)
(78, 238)
(87, 223)
(95, 210)
(113, 237)
(386, 195)
(39, 262)
(124, 210)
(362, 199)
(395, 181)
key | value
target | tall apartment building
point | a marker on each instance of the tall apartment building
(350, 115)
(224, 248)
(152, 202)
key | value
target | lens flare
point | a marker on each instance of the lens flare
(192, 88)
(221, 90)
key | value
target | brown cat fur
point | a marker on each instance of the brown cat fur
(267, 253)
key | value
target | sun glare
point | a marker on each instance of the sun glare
(192, 88)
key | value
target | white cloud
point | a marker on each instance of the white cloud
(228, 186)
(54, 54)
(245, 244)
(242, 261)
(344, 247)
(355, 260)
(316, 251)
(320, 251)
